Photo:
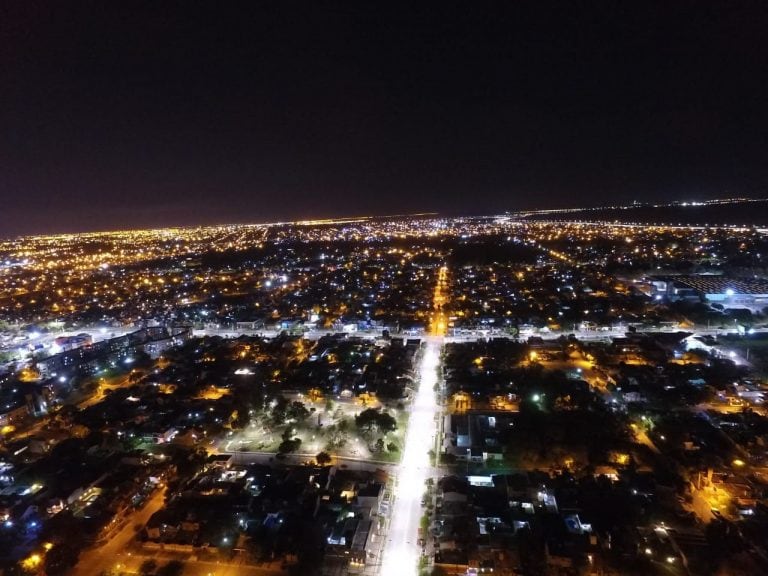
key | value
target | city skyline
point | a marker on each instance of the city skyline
(308, 288)
(735, 213)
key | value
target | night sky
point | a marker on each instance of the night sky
(145, 114)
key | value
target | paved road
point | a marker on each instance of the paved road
(243, 458)
(115, 554)
(105, 557)
(130, 564)
(471, 336)
(401, 553)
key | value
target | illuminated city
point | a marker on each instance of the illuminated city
(421, 394)
(383, 289)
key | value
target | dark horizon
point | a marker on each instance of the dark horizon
(182, 114)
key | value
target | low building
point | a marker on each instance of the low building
(729, 292)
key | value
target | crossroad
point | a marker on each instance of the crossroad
(401, 550)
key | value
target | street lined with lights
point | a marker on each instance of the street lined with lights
(401, 553)
(402, 550)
